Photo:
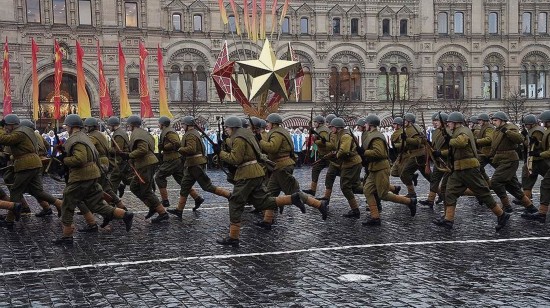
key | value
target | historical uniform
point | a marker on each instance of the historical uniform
(484, 137)
(82, 159)
(333, 168)
(320, 133)
(534, 166)
(466, 174)
(120, 175)
(413, 155)
(397, 146)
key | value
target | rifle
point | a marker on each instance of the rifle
(427, 146)
(309, 141)
(211, 142)
(136, 173)
(430, 150)
(527, 147)
(445, 135)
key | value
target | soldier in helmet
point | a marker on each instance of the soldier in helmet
(474, 126)
(193, 150)
(377, 184)
(244, 154)
(533, 166)
(333, 168)
(484, 138)
(119, 143)
(172, 165)
(505, 159)
(82, 159)
(412, 155)
(466, 174)
(27, 176)
(543, 153)
(320, 133)
(395, 139)
(141, 152)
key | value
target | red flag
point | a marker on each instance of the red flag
(105, 104)
(35, 106)
(6, 79)
(146, 110)
(125, 108)
(58, 74)
(163, 96)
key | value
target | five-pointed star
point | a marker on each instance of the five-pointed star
(267, 72)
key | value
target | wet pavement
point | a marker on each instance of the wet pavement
(302, 262)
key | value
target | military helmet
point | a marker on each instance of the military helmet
(91, 122)
(319, 119)
(28, 123)
(113, 121)
(436, 116)
(545, 116)
(73, 120)
(263, 123)
(398, 121)
(361, 122)
(274, 118)
(529, 119)
(256, 122)
(338, 122)
(500, 115)
(373, 120)
(483, 117)
(134, 120)
(12, 119)
(165, 121)
(409, 117)
(245, 122)
(473, 119)
(233, 122)
(188, 120)
(456, 117)
(329, 118)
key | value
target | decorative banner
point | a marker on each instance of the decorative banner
(262, 20)
(163, 97)
(6, 79)
(236, 14)
(105, 104)
(35, 106)
(273, 16)
(58, 75)
(283, 12)
(221, 74)
(254, 21)
(81, 94)
(125, 109)
(146, 109)
(246, 19)
(223, 12)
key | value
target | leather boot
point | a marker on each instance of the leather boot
(502, 217)
(25, 210)
(430, 201)
(91, 225)
(395, 189)
(410, 191)
(222, 192)
(321, 205)
(162, 214)
(506, 205)
(267, 219)
(67, 236)
(164, 197)
(233, 238)
(326, 196)
(46, 209)
(528, 205)
(199, 200)
(409, 202)
(447, 221)
(312, 190)
(354, 211)
(374, 219)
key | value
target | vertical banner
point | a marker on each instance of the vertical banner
(246, 19)
(237, 19)
(105, 104)
(163, 97)
(58, 75)
(273, 16)
(125, 109)
(35, 106)
(146, 109)
(283, 13)
(83, 100)
(262, 20)
(6, 79)
(223, 12)
(254, 21)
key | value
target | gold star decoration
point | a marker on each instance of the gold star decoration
(267, 72)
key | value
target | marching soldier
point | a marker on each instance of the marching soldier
(193, 150)
(333, 168)
(484, 138)
(319, 133)
(27, 165)
(505, 141)
(83, 186)
(377, 183)
(244, 154)
(142, 147)
(119, 143)
(534, 166)
(171, 165)
(465, 174)
(474, 125)
(543, 152)
(396, 145)
(263, 125)
(412, 155)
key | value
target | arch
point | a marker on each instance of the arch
(397, 53)
(449, 54)
(348, 49)
(348, 53)
(535, 54)
(406, 51)
(173, 54)
(304, 54)
(491, 57)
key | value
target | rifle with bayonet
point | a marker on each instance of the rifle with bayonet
(136, 173)
(528, 146)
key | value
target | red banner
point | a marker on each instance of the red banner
(36, 108)
(105, 104)
(58, 74)
(6, 79)
(146, 110)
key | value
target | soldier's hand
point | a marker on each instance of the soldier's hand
(533, 140)
(535, 153)
(258, 137)
(124, 155)
(524, 132)
(403, 136)
(437, 153)
(361, 151)
(503, 130)
(323, 140)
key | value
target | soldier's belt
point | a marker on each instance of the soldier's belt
(24, 155)
(282, 158)
(83, 166)
(198, 155)
(248, 163)
(507, 152)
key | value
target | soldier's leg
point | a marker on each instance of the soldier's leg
(94, 201)
(72, 196)
(144, 191)
(205, 183)
(105, 183)
(435, 179)
(382, 184)
(330, 178)
(315, 173)
(513, 186)
(498, 185)
(369, 189)
(454, 189)
(544, 200)
(186, 184)
(408, 168)
(348, 178)
(165, 170)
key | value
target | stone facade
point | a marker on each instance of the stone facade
(399, 55)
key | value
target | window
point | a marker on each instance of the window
(491, 82)
(305, 90)
(189, 85)
(131, 12)
(304, 26)
(336, 26)
(354, 26)
(542, 26)
(442, 26)
(493, 23)
(344, 86)
(286, 26)
(59, 13)
(133, 86)
(533, 81)
(85, 12)
(403, 27)
(175, 84)
(232, 25)
(459, 23)
(197, 23)
(450, 83)
(386, 27)
(526, 23)
(393, 86)
(176, 22)
(33, 11)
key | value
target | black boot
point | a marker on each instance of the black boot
(427, 203)
(17, 208)
(198, 203)
(151, 212)
(530, 210)
(255, 211)
(106, 222)
(397, 190)
(442, 222)
(298, 202)
(372, 222)
(227, 241)
(121, 188)
(263, 224)
(502, 220)
(378, 202)
(540, 217)
(64, 240)
(353, 213)
(508, 209)
(415, 179)
(128, 219)
(44, 212)
(89, 229)
(324, 209)
(413, 206)
(309, 192)
(176, 212)
(160, 217)
(517, 202)
(165, 203)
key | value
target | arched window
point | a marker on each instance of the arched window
(200, 85)
(286, 26)
(197, 23)
(403, 27)
(187, 84)
(450, 77)
(133, 86)
(491, 82)
(131, 14)
(442, 23)
(345, 81)
(304, 25)
(336, 25)
(176, 22)
(493, 23)
(533, 76)
(393, 79)
(354, 26)
(33, 11)
(386, 27)
(175, 84)
(85, 12)
(59, 9)
(459, 23)
(232, 25)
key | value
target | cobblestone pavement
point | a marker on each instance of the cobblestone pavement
(303, 261)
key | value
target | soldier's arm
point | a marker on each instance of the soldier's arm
(460, 142)
(345, 145)
(11, 138)
(190, 146)
(120, 142)
(273, 145)
(416, 139)
(486, 141)
(514, 135)
(236, 156)
(172, 139)
(78, 157)
(141, 150)
(319, 141)
(378, 150)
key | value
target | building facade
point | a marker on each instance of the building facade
(386, 57)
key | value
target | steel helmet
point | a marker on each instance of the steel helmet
(233, 122)
(444, 116)
(256, 122)
(134, 120)
(329, 118)
(165, 121)
(113, 121)
(12, 119)
(319, 119)
(338, 122)
(398, 121)
(409, 117)
(28, 123)
(373, 120)
(73, 120)
(545, 116)
(500, 115)
(188, 120)
(91, 122)
(483, 117)
(263, 123)
(361, 122)
(274, 118)
(473, 119)
(530, 119)
(456, 117)
(245, 122)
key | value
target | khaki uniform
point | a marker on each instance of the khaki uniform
(169, 143)
(333, 167)
(437, 176)
(278, 148)
(484, 139)
(350, 165)
(324, 132)
(545, 183)
(121, 170)
(539, 164)
(102, 146)
(142, 146)
(397, 145)
(413, 158)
